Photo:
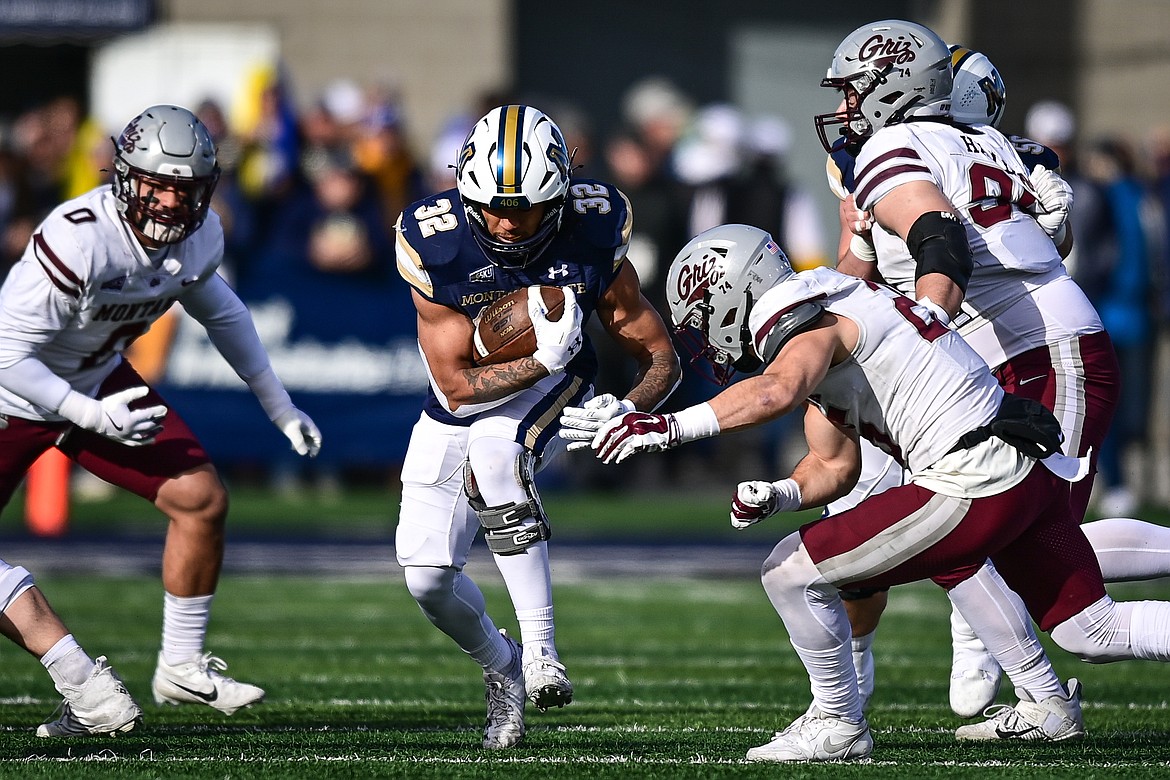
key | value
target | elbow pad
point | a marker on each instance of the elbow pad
(938, 244)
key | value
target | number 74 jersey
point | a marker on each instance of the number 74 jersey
(85, 289)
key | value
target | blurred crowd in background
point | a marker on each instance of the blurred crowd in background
(315, 192)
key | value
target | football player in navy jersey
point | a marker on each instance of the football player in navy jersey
(954, 216)
(99, 270)
(515, 219)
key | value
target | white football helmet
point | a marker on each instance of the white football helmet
(711, 287)
(515, 157)
(978, 94)
(888, 71)
(164, 147)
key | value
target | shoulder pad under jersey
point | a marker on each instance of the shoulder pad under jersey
(598, 214)
(432, 228)
(782, 326)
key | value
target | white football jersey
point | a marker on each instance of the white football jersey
(1019, 280)
(85, 288)
(899, 389)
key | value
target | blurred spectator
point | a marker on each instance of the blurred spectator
(707, 161)
(659, 112)
(1118, 283)
(267, 127)
(766, 198)
(382, 151)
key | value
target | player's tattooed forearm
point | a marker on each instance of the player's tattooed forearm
(491, 382)
(656, 383)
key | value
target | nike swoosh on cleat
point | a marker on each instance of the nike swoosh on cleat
(207, 697)
(1009, 734)
(832, 747)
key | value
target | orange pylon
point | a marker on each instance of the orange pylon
(46, 495)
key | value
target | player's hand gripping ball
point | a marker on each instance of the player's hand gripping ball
(504, 331)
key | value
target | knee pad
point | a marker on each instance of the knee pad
(506, 528)
(14, 580)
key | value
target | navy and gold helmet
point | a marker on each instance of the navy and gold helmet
(978, 95)
(515, 157)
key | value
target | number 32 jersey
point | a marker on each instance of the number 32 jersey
(439, 257)
(85, 288)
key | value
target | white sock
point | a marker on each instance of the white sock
(1129, 549)
(184, 626)
(1108, 630)
(537, 632)
(863, 665)
(67, 663)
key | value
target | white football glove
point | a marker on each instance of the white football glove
(556, 342)
(300, 431)
(579, 424)
(756, 500)
(1055, 199)
(113, 418)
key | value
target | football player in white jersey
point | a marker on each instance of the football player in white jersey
(986, 478)
(965, 225)
(98, 271)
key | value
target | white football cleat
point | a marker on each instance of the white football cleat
(504, 694)
(815, 737)
(1055, 719)
(546, 683)
(199, 681)
(101, 705)
(975, 674)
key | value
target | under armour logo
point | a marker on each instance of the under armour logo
(558, 270)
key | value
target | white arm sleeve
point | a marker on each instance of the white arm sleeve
(33, 381)
(229, 326)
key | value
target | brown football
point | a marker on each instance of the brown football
(504, 332)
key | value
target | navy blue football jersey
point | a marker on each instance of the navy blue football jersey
(440, 258)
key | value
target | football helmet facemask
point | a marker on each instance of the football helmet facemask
(711, 287)
(515, 157)
(978, 95)
(164, 148)
(887, 71)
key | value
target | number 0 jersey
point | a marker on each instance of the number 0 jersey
(85, 288)
(1019, 281)
(439, 257)
(898, 388)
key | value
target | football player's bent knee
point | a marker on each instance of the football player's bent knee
(788, 566)
(1098, 634)
(430, 585)
(14, 580)
(515, 526)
